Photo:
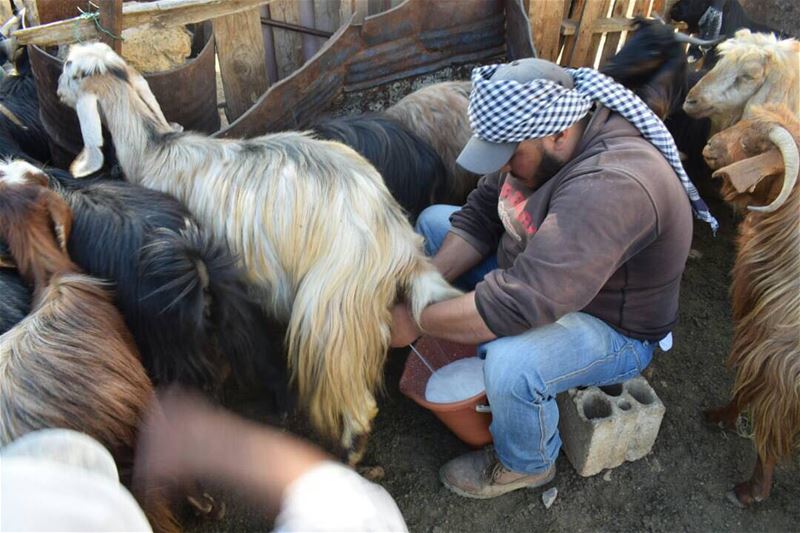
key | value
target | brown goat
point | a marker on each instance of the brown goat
(71, 363)
(765, 291)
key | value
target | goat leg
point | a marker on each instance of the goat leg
(757, 488)
(725, 416)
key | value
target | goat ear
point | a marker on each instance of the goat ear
(744, 175)
(144, 92)
(61, 216)
(6, 261)
(90, 159)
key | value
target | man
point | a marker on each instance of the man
(574, 243)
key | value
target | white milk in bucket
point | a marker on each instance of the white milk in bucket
(457, 381)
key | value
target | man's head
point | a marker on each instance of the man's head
(506, 116)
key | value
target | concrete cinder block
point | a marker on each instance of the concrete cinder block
(602, 427)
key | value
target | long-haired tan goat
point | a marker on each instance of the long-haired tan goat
(71, 363)
(766, 285)
(754, 69)
(321, 239)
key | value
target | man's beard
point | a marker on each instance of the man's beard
(548, 167)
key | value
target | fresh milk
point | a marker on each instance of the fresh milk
(457, 381)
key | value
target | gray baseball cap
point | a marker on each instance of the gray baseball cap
(483, 157)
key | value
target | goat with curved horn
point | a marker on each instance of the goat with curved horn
(764, 293)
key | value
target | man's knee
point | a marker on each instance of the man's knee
(505, 379)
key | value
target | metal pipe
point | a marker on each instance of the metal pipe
(294, 27)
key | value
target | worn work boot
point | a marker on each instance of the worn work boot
(480, 474)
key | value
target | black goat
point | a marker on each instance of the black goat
(653, 64)
(181, 295)
(712, 19)
(21, 130)
(412, 170)
(15, 295)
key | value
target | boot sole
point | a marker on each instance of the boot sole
(465, 494)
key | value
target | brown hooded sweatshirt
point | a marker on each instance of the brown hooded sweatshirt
(608, 235)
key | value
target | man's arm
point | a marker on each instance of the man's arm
(455, 257)
(455, 320)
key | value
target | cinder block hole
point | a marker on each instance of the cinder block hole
(641, 394)
(596, 407)
(624, 405)
(612, 390)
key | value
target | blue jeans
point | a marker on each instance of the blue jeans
(524, 373)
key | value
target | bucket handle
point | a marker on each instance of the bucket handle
(483, 408)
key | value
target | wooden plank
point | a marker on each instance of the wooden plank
(613, 38)
(163, 12)
(326, 15)
(641, 8)
(240, 50)
(546, 17)
(582, 50)
(288, 44)
(31, 12)
(660, 7)
(569, 41)
(111, 22)
(597, 37)
(349, 7)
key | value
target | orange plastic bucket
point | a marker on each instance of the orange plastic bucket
(469, 419)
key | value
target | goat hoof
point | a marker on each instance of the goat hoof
(734, 499)
(372, 473)
(745, 494)
(207, 506)
(717, 417)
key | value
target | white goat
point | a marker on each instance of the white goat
(754, 69)
(323, 242)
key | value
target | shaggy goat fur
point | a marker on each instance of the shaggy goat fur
(754, 69)
(322, 241)
(765, 290)
(21, 131)
(181, 295)
(438, 115)
(411, 169)
(72, 362)
(15, 302)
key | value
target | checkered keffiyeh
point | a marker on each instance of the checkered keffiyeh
(504, 111)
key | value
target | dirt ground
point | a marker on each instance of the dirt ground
(679, 486)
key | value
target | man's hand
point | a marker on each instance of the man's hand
(404, 329)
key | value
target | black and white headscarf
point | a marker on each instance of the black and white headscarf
(503, 111)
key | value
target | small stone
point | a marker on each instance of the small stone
(607, 476)
(549, 496)
(695, 254)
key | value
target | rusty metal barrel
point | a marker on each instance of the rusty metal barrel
(187, 95)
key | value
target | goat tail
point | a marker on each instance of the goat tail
(339, 329)
(195, 284)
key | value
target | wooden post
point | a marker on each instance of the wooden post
(569, 42)
(111, 21)
(546, 17)
(240, 50)
(659, 6)
(641, 8)
(583, 51)
(613, 38)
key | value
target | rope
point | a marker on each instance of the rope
(94, 16)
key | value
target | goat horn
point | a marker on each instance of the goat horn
(12, 117)
(683, 38)
(781, 138)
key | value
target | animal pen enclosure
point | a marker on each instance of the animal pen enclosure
(283, 61)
